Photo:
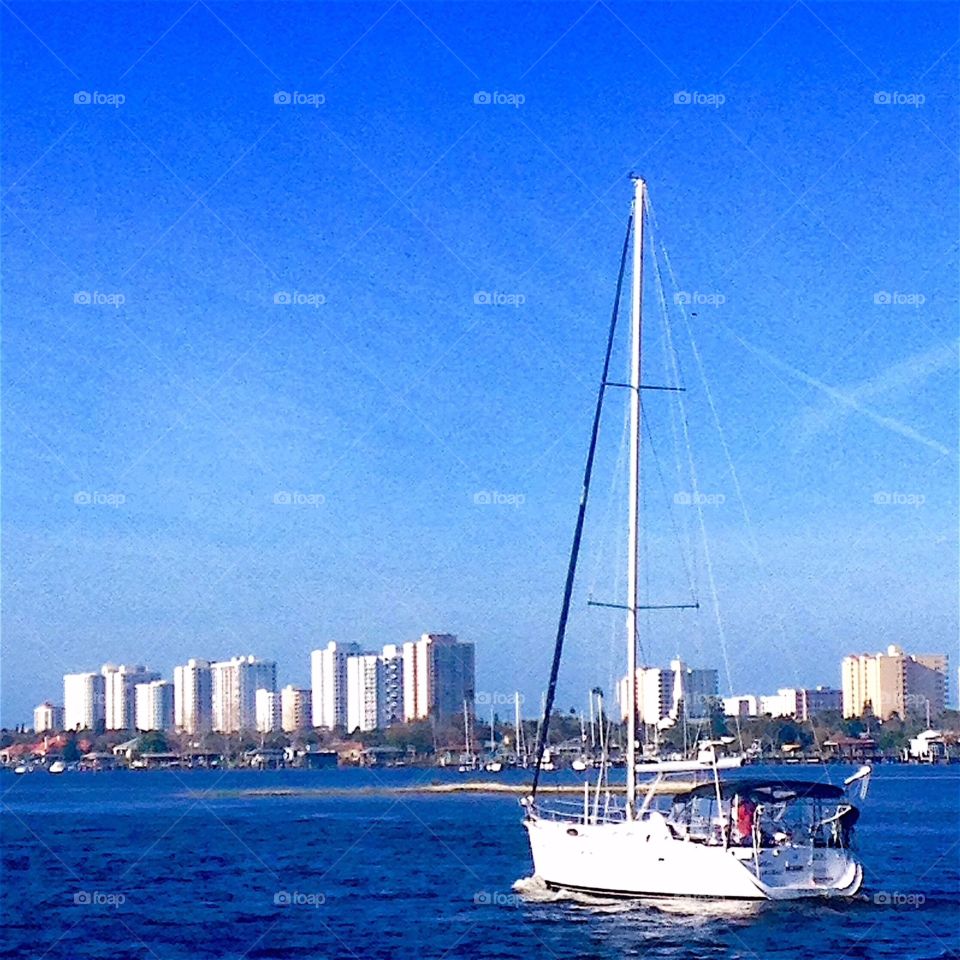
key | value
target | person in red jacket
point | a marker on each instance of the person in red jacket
(745, 814)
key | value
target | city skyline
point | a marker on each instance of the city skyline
(351, 689)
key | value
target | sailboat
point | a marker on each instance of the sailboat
(718, 833)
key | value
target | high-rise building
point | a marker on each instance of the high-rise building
(328, 680)
(438, 677)
(294, 709)
(392, 684)
(234, 691)
(120, 693)
(268, 711)
(83, 701)
(193, 697)
(47, 718)
(154, 705)
(894, 683)
(365, 692)
(679, 691)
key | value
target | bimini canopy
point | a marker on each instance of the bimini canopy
(765, 791)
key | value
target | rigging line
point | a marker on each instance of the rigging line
(708, 561)
(672, 357)
(578, 531)
(666, 344)
(663, 487)
(748, 522)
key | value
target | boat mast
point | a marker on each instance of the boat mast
(634, 519)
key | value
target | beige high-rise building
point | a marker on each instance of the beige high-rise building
(47, 718)
(294, 709)
(894, 683)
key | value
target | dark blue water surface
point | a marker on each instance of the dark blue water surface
(161, 865)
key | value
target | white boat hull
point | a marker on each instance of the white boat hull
(642, 859)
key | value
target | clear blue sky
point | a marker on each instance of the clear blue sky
(799, 199)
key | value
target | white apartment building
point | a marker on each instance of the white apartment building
(193, 697)
(234, 691)
(83, 701)
(154, 705)
(668, 693)
(328, 681)
(294, 709)
(47, 718)
(268, 711)
(120, 693)
(365, 692)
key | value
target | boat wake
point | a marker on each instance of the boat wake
(534, 890)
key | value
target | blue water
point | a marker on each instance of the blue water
(147, 865)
